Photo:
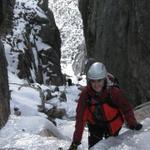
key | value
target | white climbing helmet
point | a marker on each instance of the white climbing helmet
(97, 71)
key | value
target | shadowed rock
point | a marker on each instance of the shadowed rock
(117, 33)
(4, 89)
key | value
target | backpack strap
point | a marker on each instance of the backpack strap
(110, 102)
(107, 100)
(99, 113)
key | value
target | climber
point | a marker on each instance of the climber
(102, 107)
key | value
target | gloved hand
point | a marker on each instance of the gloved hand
(137, 127)
(73, 146)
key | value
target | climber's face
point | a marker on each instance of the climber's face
(97, 85)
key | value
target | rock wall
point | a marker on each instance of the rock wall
(6, 9)
(4, 89)
(3, 9)
(33, 46)
(117, 33)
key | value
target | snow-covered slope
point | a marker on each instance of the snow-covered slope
(26, 131)
(31, 130)
(69, 22)
(128, 140)
(15, 42)
(33, 46)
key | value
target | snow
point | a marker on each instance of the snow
(129, 140)
(41, 45)
(14, 43)
(13, 79)
(69, 22)
(70, 106)
(27, 131)
(24, 131)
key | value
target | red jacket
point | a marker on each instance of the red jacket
(117, 98)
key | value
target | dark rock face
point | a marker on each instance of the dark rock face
(4, 89)
(3, 10)
(5, 15)
(117, 33)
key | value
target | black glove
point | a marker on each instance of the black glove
(137, 127)
(73, 146)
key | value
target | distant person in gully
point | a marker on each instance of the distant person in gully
(103, 107)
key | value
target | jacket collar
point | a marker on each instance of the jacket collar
(93, 93)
